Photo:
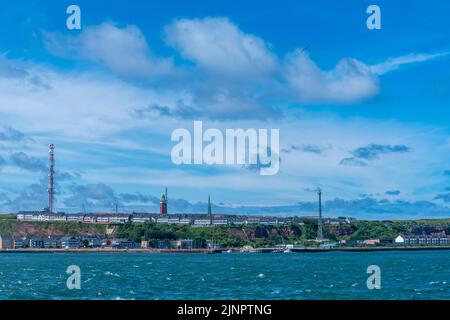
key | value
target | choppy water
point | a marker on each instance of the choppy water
(333, 275)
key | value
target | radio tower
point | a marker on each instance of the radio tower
(319, 221)
(209, 207)
(51, 173)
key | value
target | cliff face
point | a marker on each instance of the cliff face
(342, 230)
(272, 232)
(50, 229)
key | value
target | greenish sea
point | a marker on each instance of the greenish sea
(331, 275)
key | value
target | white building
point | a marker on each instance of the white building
(140, 219)
(202, 222)
(102, 219)
(220, 222)
(162, 220)
(399, 239)
(173, 221)
(57, 217)
(89, 219)
(118, 218)
(75, 217)
(185, 221)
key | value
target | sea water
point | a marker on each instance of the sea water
(328, 275)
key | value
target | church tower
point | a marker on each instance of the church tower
(163, 204)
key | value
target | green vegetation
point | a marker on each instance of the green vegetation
(363, 230)
(7, 216)
(301, 232)
(227, 236)
(263, 235)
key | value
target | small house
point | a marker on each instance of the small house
(6, 242)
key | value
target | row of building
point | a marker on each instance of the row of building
(402, 240)
(183, 219)
(423, 240)
(17, 242)
(120, 218)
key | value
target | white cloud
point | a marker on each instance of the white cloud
(218, 45)
(122, 50)
(76, 105)
(414, 173)
(394, 63)
(241, 69)
(89, 118)
(97, 109)
(351, 80)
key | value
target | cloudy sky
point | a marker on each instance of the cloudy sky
(363, 114)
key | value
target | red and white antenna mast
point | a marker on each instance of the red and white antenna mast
(51, 173)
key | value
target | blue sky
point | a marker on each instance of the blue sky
(364, 114)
